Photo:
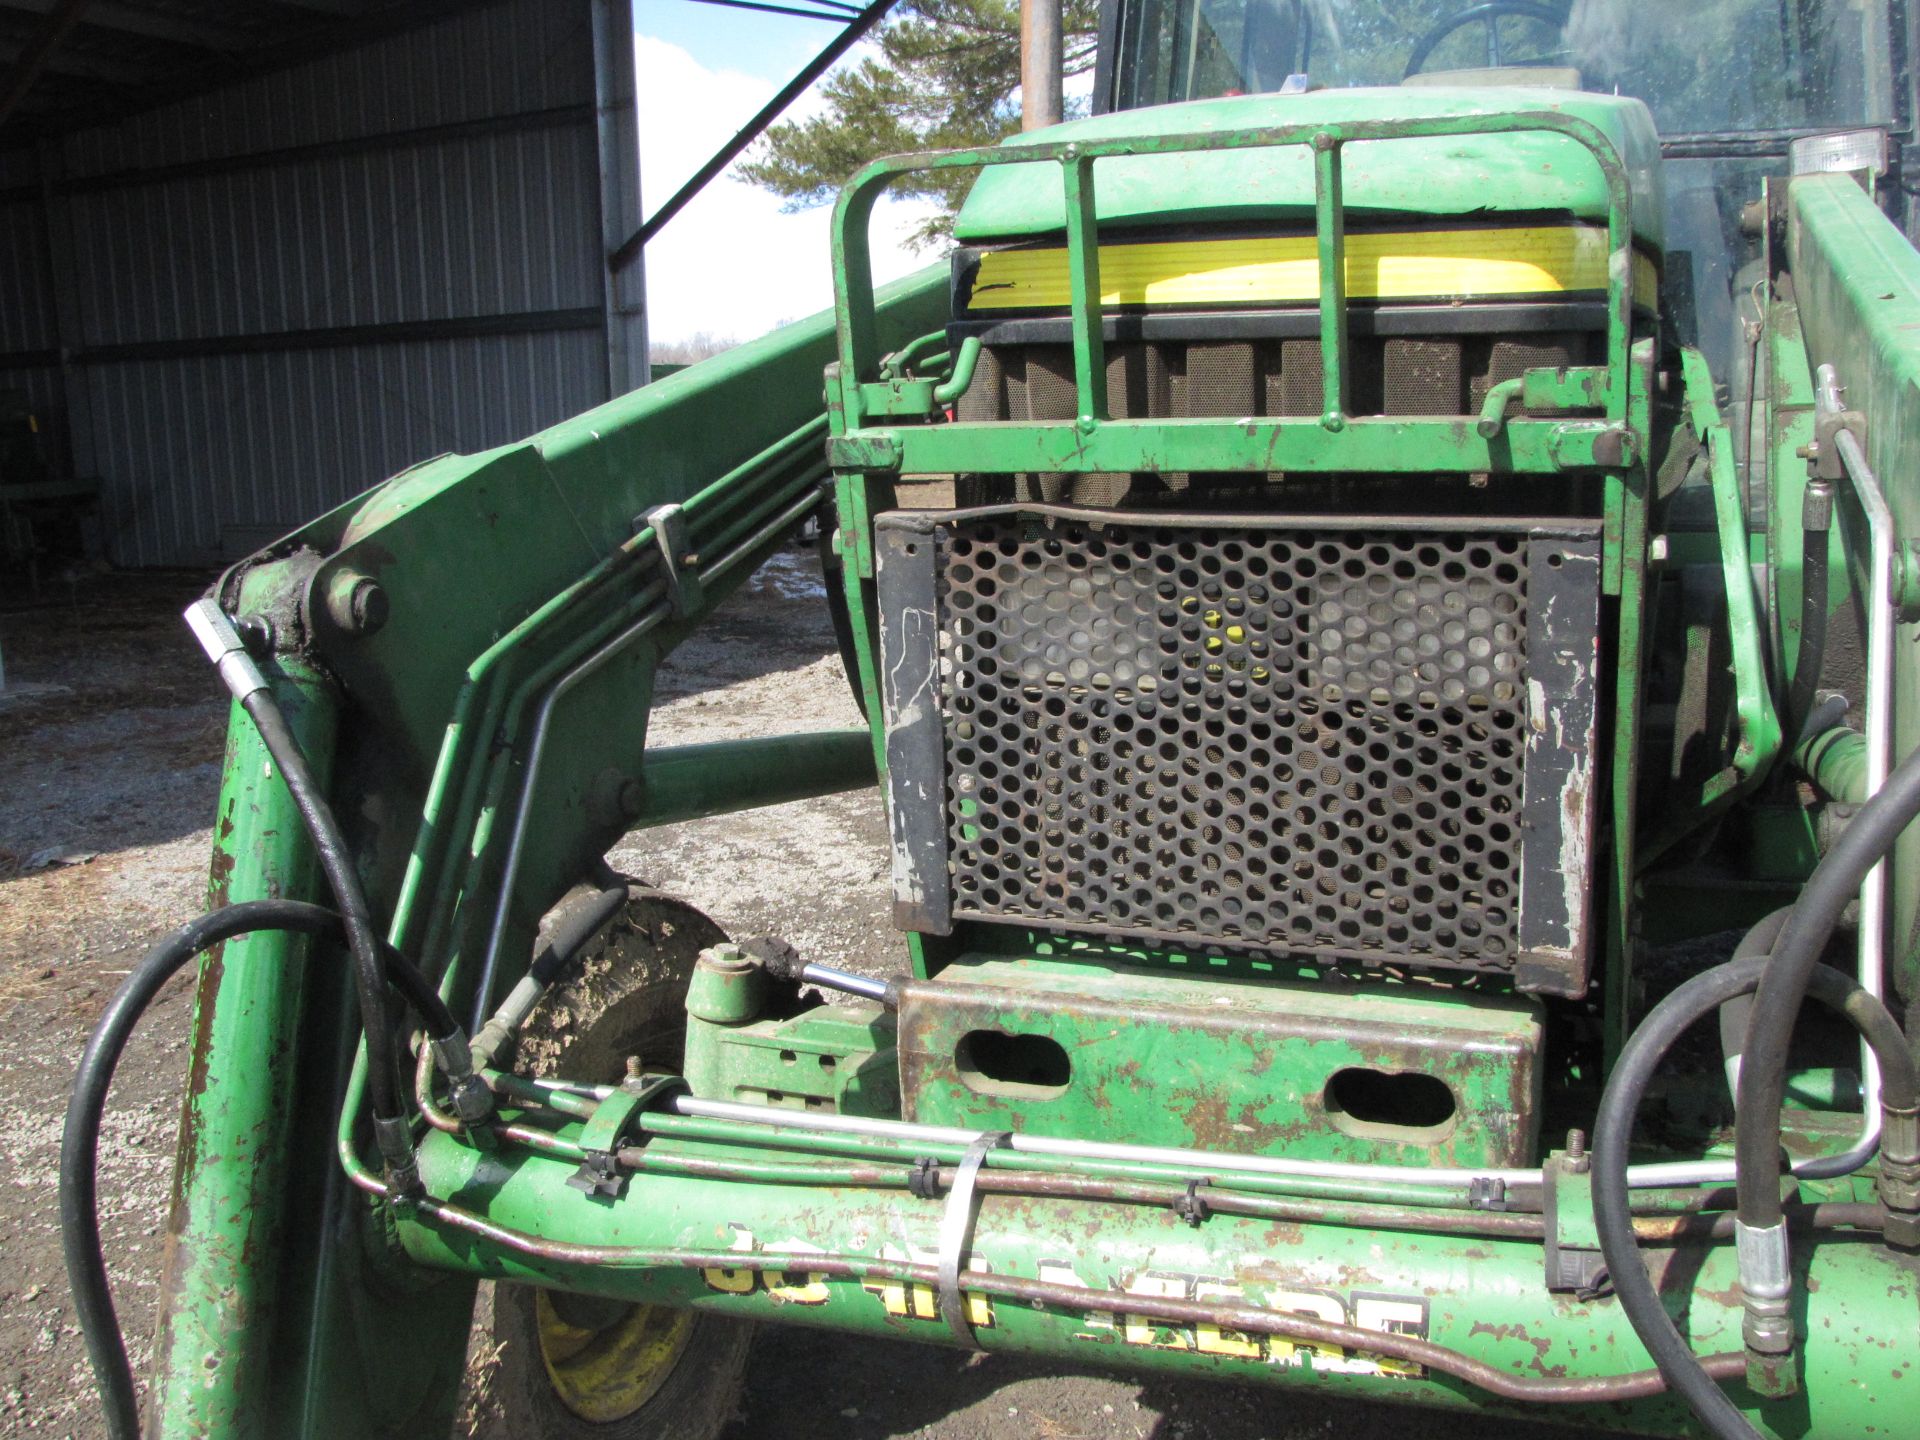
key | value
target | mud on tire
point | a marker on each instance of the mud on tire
(676, 1375)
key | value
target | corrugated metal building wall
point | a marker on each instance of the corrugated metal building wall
(274, 295)
(28, 334)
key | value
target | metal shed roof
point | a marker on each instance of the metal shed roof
(65, 64)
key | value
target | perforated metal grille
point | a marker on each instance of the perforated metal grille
(1300, 739)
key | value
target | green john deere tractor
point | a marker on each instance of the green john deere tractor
(1427, 558)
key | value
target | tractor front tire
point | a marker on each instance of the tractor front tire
(573, 1367)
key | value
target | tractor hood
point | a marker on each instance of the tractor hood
(1468, 176)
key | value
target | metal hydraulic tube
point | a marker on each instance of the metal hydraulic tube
(1879, 752)
(714, 572)
(864, 986)
(1458, 1180)
(1480, 1296)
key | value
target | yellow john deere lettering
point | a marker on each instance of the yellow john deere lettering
(1285, 269)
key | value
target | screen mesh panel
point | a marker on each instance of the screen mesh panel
(1302, 738)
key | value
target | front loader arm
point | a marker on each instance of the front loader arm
(481, 633)
(1857, 281)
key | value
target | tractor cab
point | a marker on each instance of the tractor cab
(1738, 92)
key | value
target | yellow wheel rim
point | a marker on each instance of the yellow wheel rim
(609, 1373)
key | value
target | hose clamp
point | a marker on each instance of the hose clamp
(1824, 461)
(923, 1180)
(678, 560)
(956, 1233)
(1192, 1206)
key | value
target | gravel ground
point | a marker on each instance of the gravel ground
(109, 757)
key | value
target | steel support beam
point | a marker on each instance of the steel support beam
(153, 24)
(34, 56)
(59, 246)
(839, 14)
(328, 7)
(201, 347)
(751, 131)
(518, 122)
(82, 65)
(623, 286)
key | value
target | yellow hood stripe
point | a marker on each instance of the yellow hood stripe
(1423, 265)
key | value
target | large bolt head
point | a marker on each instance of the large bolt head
(616, 798)
(356, 603)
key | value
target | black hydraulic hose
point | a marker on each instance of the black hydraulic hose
(1868, 839)
(1613, 1131)
(1816, 510)
(80, 1143)
(578, 924)
(1757, 943)
(336, 862)
(224, 646)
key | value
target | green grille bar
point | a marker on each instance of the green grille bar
(1083, 264)
(1330, 228)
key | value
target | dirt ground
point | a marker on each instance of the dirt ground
(110, 740)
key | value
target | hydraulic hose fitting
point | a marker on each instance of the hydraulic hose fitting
(472, 1100)
(1766, 1291)
(453, 1055)
(1816, 506)
(783, 962)
(1900, 1175)
(394, 1136)
(487, 1044)
(225, 648)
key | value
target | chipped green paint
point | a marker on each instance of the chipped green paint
(505, 569)
(832, 1057)
(1212, 1063)
(231, 1201)
(1483, 1296)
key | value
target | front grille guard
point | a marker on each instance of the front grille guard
(1356, 738)
(1335, 440)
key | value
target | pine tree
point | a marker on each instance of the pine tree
(945, 78)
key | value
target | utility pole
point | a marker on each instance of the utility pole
(1040, 62)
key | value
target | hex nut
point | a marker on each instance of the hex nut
(472, 1100)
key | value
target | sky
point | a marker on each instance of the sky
(731, 264)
